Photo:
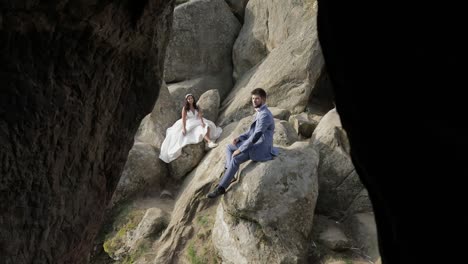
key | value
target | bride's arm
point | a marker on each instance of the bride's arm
(184, 118)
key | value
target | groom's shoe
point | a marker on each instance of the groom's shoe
(216, 192)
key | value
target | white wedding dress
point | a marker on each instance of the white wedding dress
(172, 145)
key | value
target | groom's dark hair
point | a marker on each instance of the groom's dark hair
(260, 92)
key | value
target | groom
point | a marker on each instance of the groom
(256, 144)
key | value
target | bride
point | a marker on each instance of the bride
(191, 129)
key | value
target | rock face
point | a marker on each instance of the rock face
(330, 234)
(209, 104)
(153, 128)
(287, 62)
(189, 159)
(238, 7)
(144, 171)
(268, 216)
(76, 81)
(267, 25)
(303, 125)
(362, 229)
(340, 186)
(199, 52)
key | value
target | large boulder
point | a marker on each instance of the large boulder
(143, 172)
(77, 79)
(267, 217)
(288, 74)
(200, 47)
(209, 104)
(267, 25)
(339, 183)
(165, 112)
(189, 159)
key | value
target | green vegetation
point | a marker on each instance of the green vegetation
(199, 249)
(126, 219)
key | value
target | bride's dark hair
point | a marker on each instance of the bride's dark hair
(187, 105)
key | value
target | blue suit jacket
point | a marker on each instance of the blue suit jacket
(258, 140)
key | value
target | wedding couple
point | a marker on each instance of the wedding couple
(256, 144)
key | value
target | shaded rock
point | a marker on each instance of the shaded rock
(143, 170)
(280, 113)
(77, 79)
(339, 183)
(165, 112)
(303, 125)
(209, 104)
(238, 8)
(363, 231)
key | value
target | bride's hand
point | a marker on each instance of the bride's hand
(203, 125)
(184, 131)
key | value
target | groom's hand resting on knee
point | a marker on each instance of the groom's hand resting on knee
(235, 153)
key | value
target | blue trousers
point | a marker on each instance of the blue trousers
(232, 165)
